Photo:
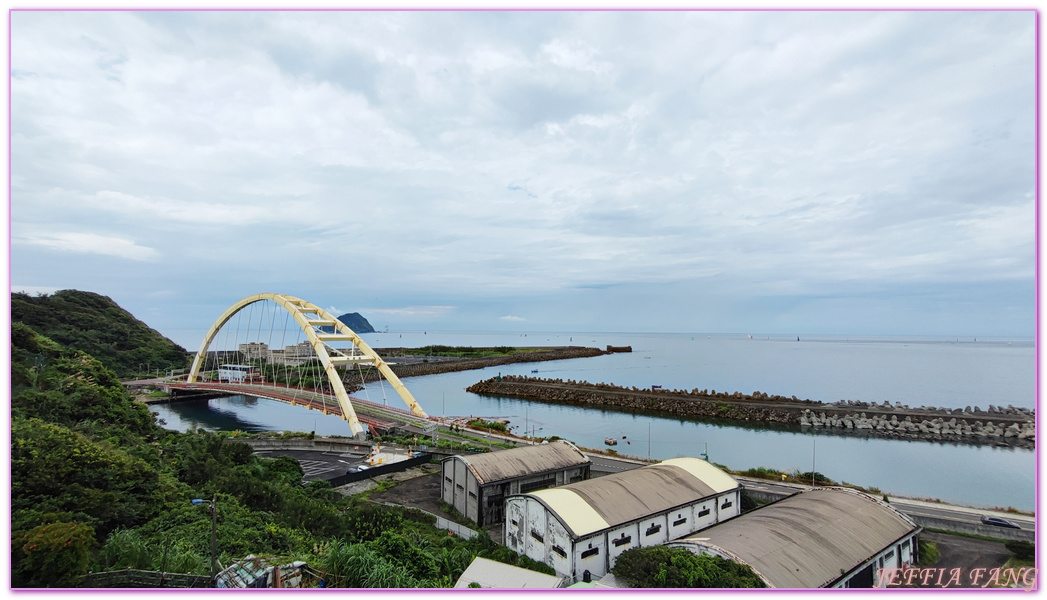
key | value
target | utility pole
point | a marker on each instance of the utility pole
(213, 505)
(648, 440)
(214, 543)
(814, 455)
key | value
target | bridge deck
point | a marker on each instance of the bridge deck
(311, 399)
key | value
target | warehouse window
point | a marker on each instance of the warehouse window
(459, 486)
(538, 485)
(889, 555)
(653, 529)
(448, 479)
(625, 539)
(472, 495)
(590, 552)
(515, 522)
(560, 551)
(726, 504)
(703, 512)
(679, 522)
(538, 536)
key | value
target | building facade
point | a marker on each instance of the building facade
(580, 529)
(478, 485)
(823, 537)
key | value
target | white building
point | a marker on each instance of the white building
(236, 373)
(254, 351)
(584, 527)
(486, 573)
(824, 537)
(477, 485)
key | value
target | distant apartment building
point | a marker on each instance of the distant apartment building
(290, 355)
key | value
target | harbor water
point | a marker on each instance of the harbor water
(952, 373)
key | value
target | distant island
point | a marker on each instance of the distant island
(356, 322)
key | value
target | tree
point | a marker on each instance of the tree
(51, 555)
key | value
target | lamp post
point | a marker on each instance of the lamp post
(214, 529)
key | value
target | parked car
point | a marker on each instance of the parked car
(999, 522)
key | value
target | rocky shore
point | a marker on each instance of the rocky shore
(1004, 426)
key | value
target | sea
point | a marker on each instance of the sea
(917, 371)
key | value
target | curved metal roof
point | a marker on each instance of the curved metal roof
(497, 466)
(595, 504)
(810, 539)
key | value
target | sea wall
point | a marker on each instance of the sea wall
(1005, 426)
(448, 365)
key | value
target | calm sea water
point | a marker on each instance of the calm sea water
(918, 371)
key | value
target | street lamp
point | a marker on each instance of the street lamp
(214, 529)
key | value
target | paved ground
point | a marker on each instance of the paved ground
(418, 488)
(966, 554)
(320, 465)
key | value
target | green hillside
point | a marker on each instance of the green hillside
(97, 485)
(98, 326)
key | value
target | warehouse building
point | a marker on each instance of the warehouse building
(580, 529)
(824, 537)
(478, 485)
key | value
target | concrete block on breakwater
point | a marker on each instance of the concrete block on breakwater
(1012, 426)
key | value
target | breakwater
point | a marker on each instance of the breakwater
(1005, 426)
(417, 366)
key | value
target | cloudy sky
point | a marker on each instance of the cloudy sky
(761, 172)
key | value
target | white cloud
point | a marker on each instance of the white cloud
(512, 318)
(88, 243)
(33, 290)
(447, 158)
(412, 311)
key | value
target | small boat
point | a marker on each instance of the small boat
(610, 441)
(656, 387)
(534, 370)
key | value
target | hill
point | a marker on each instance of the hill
(98, 326)
(356, 322)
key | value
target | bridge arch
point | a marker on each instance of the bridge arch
(311, 318)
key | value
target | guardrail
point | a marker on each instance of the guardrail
(394, 467)
(135, 578)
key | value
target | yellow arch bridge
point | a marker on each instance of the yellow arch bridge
(322, 332)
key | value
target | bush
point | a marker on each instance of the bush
(662, 567)
(929, 553)
(52, 555)
(1022, 549)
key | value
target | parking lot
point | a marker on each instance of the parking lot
(322, 465)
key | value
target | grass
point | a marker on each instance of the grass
(972, 536)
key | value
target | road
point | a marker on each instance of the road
(934, 514)
(931, 514)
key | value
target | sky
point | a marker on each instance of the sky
(764, 172)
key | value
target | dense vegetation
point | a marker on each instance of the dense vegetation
(664, 567)
(96, 485)
(467, 351)
(98, 326)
